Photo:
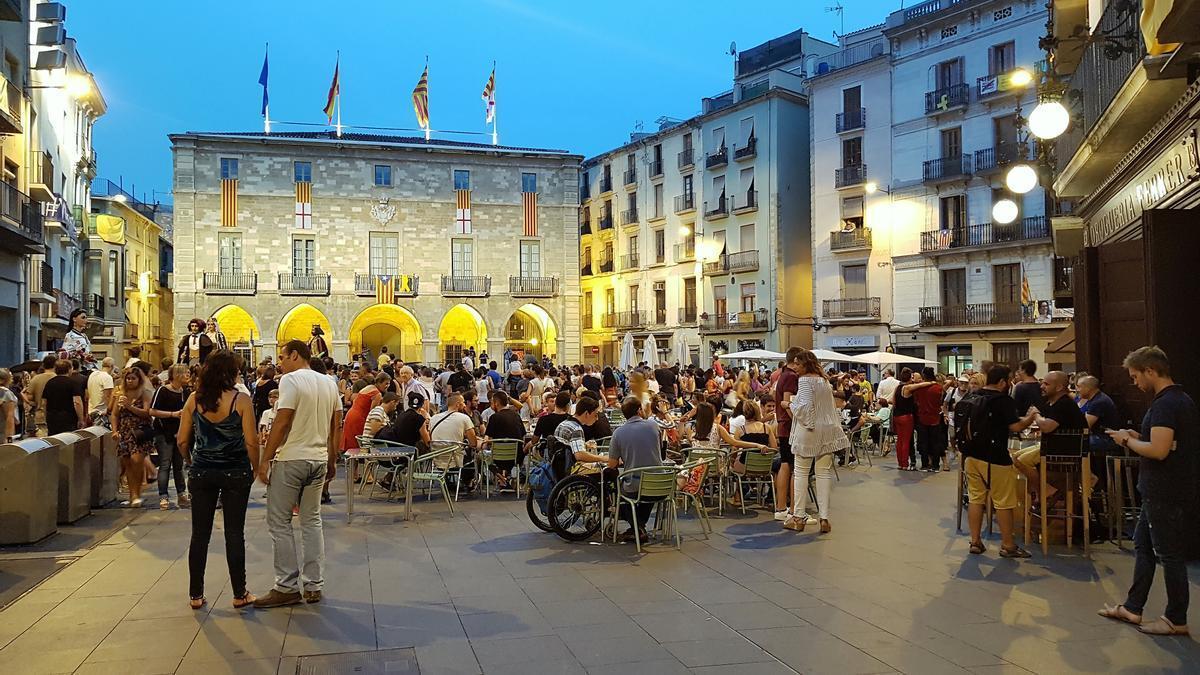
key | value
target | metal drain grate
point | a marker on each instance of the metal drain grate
(384, 661)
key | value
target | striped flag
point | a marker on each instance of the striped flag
(421, 99)
(385, 290)
(462, 212)
(335, 90)
(1026, 293)
(229, 202)
(304, 205)
(489, 97)
(530, 205)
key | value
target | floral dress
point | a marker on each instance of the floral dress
(133, 433)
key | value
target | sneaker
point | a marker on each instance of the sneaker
(782, 516)
(277, 599)
(164, 504)
(326, 499)
(185, 501)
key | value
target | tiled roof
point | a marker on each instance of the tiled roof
(375, 138)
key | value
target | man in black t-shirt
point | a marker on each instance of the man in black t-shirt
(1057, 412)
(63, 399)
(460, 380)
(1028, 391)
(601, 428)
(666, 382)
(504, 423)
(546, 424)
(989, 468)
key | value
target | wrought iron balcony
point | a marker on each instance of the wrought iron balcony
(1064, 277)
(606, 220)
(605, 184)
(729, 263)
(687, 314)
(947, 98)
(849, 240)
(992, 160)
(852, 308)
(849, 176)
(1028, 229)
(11, 98)
(946, 169)
(606, 266)
(629, 261)
(585, 270)
(460, 286)
(735, 322)
(717, 158)
(303, 284)
(21, 223)
(533, 287)
(685, 203)
(997, 84)
(720, 209)
(977, 314)
(96, 306)
(64, 304)
(656, 168)
(629, 217)
(43, 286)
(586, 321)
(685, 251)
(585, 191)
(403, 285)
(230, 283)
(745, 203)
(631, 319)
(747, 151)
(851, 120)
(687, 158)
(631, 176)
(41, 176)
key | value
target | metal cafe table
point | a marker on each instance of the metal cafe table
(375, 453)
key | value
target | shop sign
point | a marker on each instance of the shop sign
(595, 350)
(747, 345)
(1178, 166)
(851, 341)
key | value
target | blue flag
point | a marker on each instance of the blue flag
(262, 79)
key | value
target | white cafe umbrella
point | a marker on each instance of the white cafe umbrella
(753, 355)
(627, 352)
(682, 353)
(650, 352)
(888, 358)
(828, 355)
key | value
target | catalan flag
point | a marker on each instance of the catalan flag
(229, 202)
(1026, 293)
(462, 212)
(385, 290)
(304, 205)
(335, 91)
(421, 99)
(489, 98)
(530, 205)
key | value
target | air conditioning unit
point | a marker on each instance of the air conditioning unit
(51, 12)
(51, 36)
(170, 280)
(51, 59)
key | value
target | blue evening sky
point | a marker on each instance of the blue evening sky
(570, 75)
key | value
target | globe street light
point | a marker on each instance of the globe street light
(1049, 119)
(1004, 211)
(1021, 178)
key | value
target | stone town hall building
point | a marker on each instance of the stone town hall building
(428, 247)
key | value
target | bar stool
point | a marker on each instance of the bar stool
(1123, 505)
(1065, 451)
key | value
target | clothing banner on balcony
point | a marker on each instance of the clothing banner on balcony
(110, 228)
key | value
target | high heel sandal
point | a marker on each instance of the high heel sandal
(198, 603)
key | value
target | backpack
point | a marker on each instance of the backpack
(973, 422)
(541, 482)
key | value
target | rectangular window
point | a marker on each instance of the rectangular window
(952, 142)
(748, 297)
(1002, 58)
(462, 179)
(610, 301)
(302, 171)
(634, 292)
(718, 189)
(718, 238)
(954, 287)
(531, 259)
(746, 132)
(1010, 353)
(746, 178)
(304, 256)
(633, 251)
(229, 167)
(586, 310)
(687, 141)
(529, 182)
(688, 189)
(229, 253)
(718, 138)
(854, 281)
(608, 252)
(949, 73)
(1006, 283)
(852, 151)
(660, 246)
(658, 159)
(631, 202)
(953, 212)
(852, 213)
(631, 162)
(462, 262)
(383, 175)
(720, 303)
(689, 295)
(385, 253)
(658, 201)
(1005, 132)
(746, 236)
(852, 100)
(114, 275)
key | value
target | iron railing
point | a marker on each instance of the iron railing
(629, 217)
(686, 250)
(848, 176)
(630, 319)
(735, 322)
(631, 176)
(41, 170)
(303, 284)
(656, 168)
(64, 303)
(245, 283)
(745, 202)
(746, 151)
(45, 284)
(586, 320)
(976, 314)
(985, 234)
(719, 157)
(685, 203)
(21, 216)
(841, 240)
(585, 270)
(687, 314)
(539, 287)
(629, 261)
(687, 157)
(946, 168)
(606, 265)
(403, 286)
(743, 261)
(989, 160)
(466, 285)
(946, 98)
(605, 220)
(606, 183)
(852, 308)
(720, 208)
(855, 118)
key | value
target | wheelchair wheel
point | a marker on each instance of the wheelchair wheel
(535, 513)
(575, 510)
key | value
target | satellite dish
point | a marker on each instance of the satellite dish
(733, 48)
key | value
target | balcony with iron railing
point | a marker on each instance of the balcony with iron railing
(850, 176)
(744, 203)
(22, 227)
(945, 169)
(685, 203)
(947, 98)
(686, 158)
(630, 319)
(717, 158)
(735, 322)
(997, 85)
(41, 176)
(585, 191)
(976, 314)
(96, 306)
(687, 314)
(606, 265)
(629, 261)
(1064, 277)
(747, 151)
(730, 263)
(585, 270)
(631, 176)
(993, 160)
(850, 240)
(720, 209)
(585, 228)
(303, 284)
(403, 285)
(230, 283)
(41, 286)
(851, 308)
(605, 184)
(585, 321)
(466, 286)
(851, 120)
(606, 220)
(532, 287)
(686, 250)
(64, 304)
(11, 99)
(1033, 229)
(629, 217)
(656, 168)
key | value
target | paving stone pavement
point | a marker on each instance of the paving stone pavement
(891, 589)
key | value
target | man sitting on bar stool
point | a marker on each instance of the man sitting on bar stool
(1058, 411)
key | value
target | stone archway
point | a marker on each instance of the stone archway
(530, 331)
(462, 327)
(241, 331)
(298, 323)
(387, 325)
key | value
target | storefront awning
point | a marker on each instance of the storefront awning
(1064, 344)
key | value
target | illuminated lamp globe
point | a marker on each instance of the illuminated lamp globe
(1004, 211)
(1020, 77)
(1021, 179)
(1049, 119)
(871, 187)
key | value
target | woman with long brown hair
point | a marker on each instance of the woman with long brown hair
(217, 437)
(130, 416)
(816, 435)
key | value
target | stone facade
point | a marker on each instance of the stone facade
(349, 216)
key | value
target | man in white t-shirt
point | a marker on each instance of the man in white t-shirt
(301, 454)
(887, 386)
(99, 391)
(453, 426)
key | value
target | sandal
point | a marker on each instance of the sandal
(825, 527)
(977, 548)
(1119, 613)
(198, 603)
(246, 600)
(1163, 626)
(1014, 552)
(795, 524)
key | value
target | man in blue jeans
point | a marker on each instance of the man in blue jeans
(301, 454)
(1167, 444)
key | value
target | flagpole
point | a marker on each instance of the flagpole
(495, 134)
(338, 96)
(428, 124)
(267, 107)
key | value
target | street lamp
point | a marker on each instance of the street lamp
(1004, 211)
(78, 85)
(1021, 178)
(1049, 119)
